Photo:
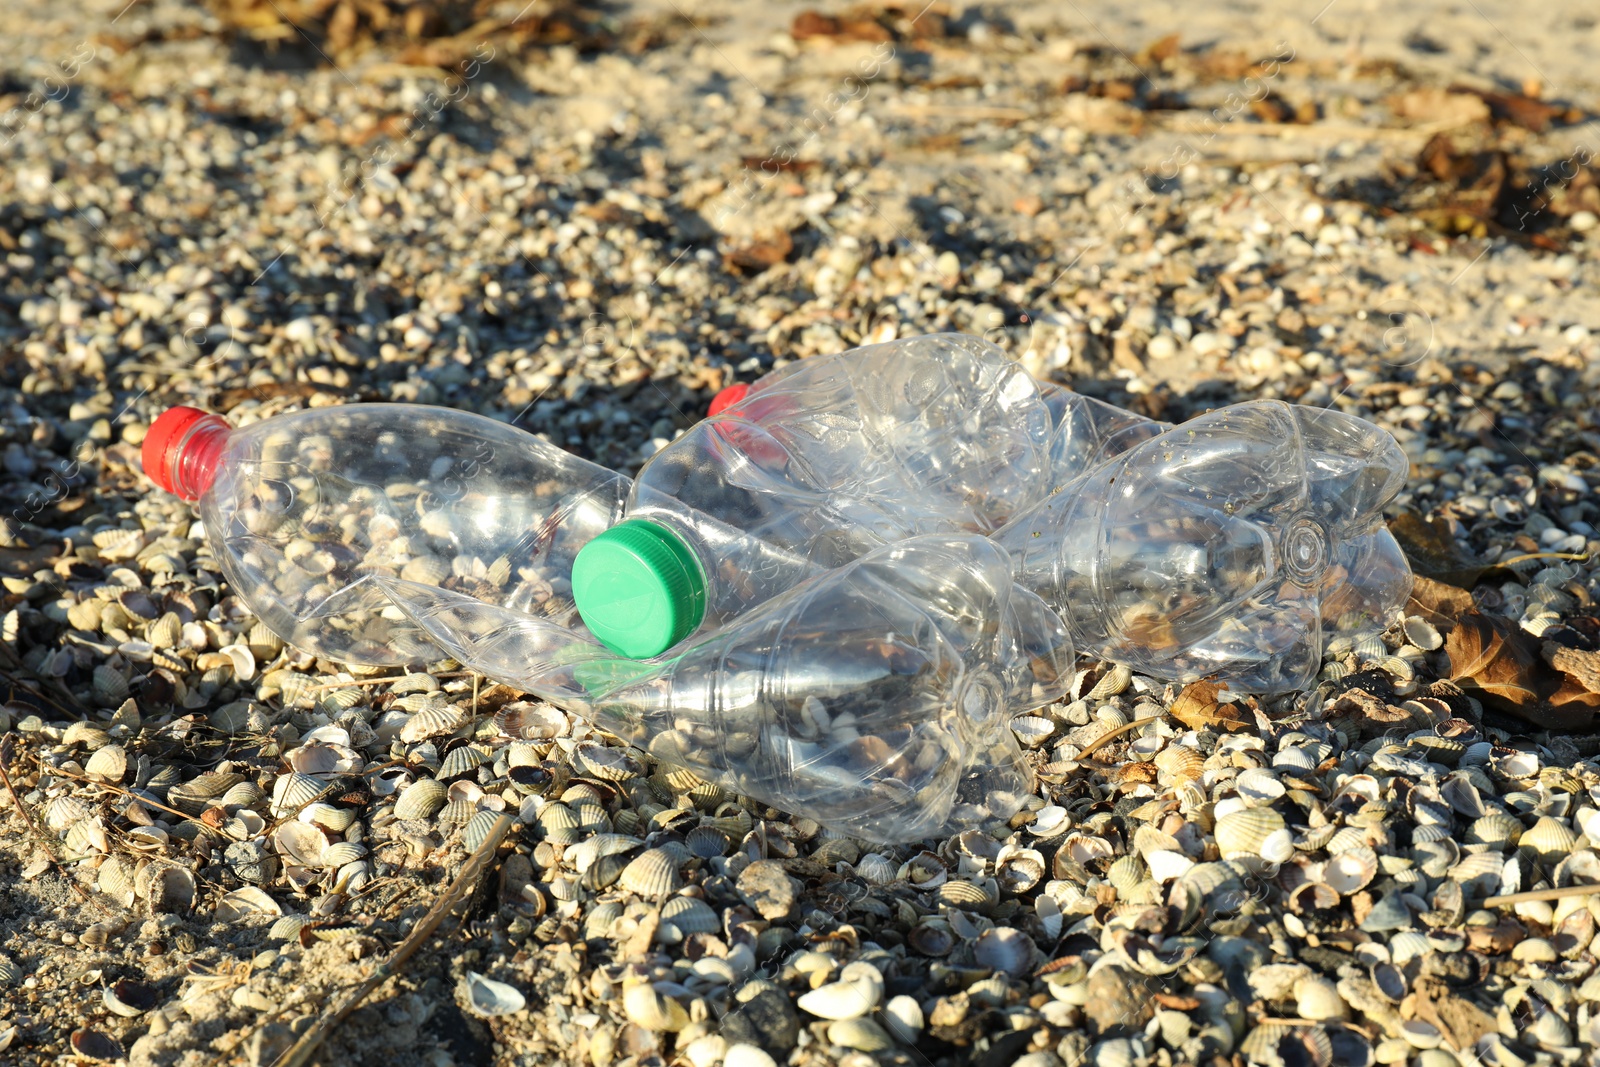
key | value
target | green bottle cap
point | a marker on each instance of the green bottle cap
(639, 588)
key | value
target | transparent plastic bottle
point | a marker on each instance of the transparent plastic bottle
(307, 512)
(875, 698)
(1229, 545)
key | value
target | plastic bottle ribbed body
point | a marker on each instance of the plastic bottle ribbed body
(1230, 545)
(306, 511)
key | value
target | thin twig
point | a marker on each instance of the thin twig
(1543, 894)
(1111, 735)
(378, 681)
(301, 1052)
(33, 827)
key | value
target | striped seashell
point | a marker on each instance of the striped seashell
(421, 799)
(108, 764)
(1335, 670)
(62, 812)
(85, 615)
(876, 868)
(1125, 874)
(1347, 838)
(1550, 839)
(1180, 763)
(653, 874)
(86, 837)
(263, 640)
(558, 824)
(165, 632)
(460, 761)
(532, 721)
(603, 916)
(1258, 786)
(87, 734)
(340, 853)
(731, 820)
(960, 893)
(1296, 758)
(426, 570)
(603, 873)
(243, 795)
(10, 972)
(1032, 730)
(1478, 872)
(457, 812)
(287, 928)
(592, 816)
(611, 764)
(1113, 682)
(1254, 832)
(932, 938)
(707, 842)
(1315, 838)
(627, 821)
(678, 851)
(115, 879)
(328, 816)
(1429, 832)
(1408, 945)
(1496, 831)
(690, 915)
(585, 852)
(1370, 647)
(110, 687)
(431, 721)
(293, 791)
(118, 544)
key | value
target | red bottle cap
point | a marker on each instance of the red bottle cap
(162, 443)
(727, 398)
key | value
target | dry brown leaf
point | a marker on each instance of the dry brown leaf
(1197, 708)
(1438, 602)
(759, 255)
(1501, 663)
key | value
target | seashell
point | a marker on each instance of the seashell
(287, 928)
(293, 791)
(10, 972)
(1391, 982)
(1550, 839)
(129, 999)
(165, 632)
(652, 1010)
(581, 855)
(165, 887)
(461, 760)
(328, 816)
(690, 915)
(1295, 758)
(1442, 750)
(902, 1017)
(1420, 1034)
(1497, 832)
(431, 722)
(559, 824)
(604, 915)
(351, 877)
(708, 843)
(242, 660)
(1180, 763)
(1017, 870)
(611, 764)
(92, 1044)
(340, 853)
(1350, 871)
(425, 570)
(1254, 832)
(87, 837)
(1259, 786)
(1167, 864)
(931, 939)
(1006, 950)
(62, 812)
(488, 999)
(1510, 765)
(841, 1000)
(1422, 633)
(1032, 730)
(531, 721)
(653, 874)
(1113, 682)
(421, 799)
(264, 641)
(108, 764)
(303, 843)
(109, 685)
(862, 1035)
(959, 893)
(479, 827)
(245, 903)
(115, 880)
(1319, 999)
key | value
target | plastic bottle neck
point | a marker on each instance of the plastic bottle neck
(194, 463)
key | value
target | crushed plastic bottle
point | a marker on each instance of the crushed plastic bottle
(875, 698)
(1227, 546)
(1079, 430)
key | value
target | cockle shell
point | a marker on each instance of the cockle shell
(690, 915)
(1254, 832)
(1350, 871)
(421, 799)
(1004, 949)
(488, 999)
(653, 874)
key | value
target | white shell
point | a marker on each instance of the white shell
(244, 903)
(488, 998)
